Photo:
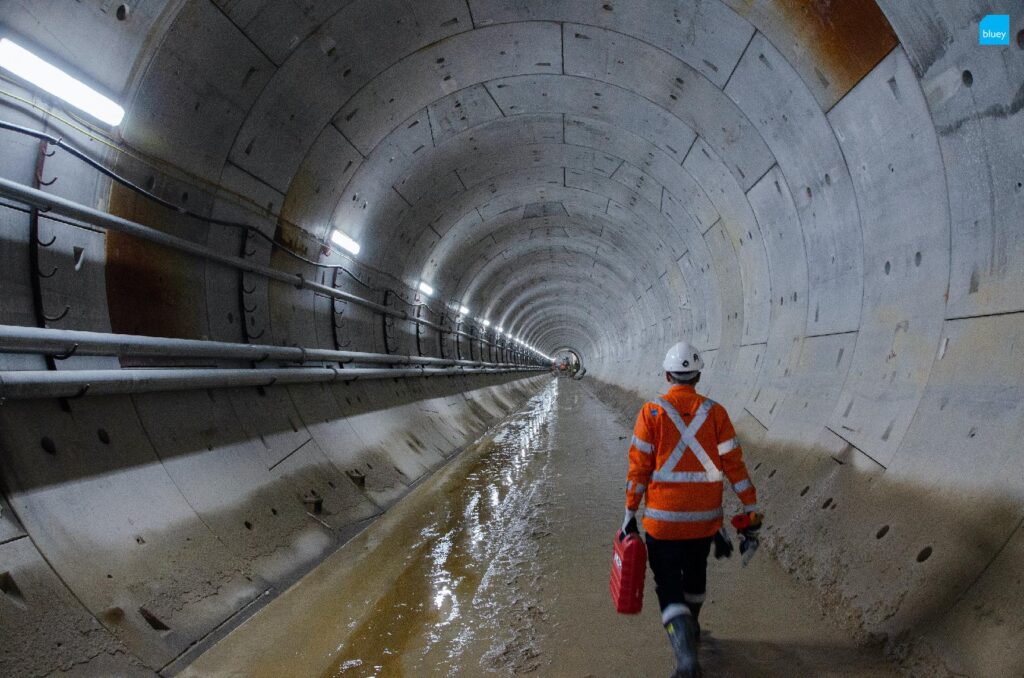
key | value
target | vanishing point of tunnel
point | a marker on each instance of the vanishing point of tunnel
(324, 325)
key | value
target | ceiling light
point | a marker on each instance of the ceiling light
(500, 329)
(344, 241)
(426, 289)
(463, 310)
(486, 323)
(49, 78)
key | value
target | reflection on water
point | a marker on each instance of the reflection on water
(461, 590)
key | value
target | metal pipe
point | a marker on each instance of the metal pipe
(48, 341)
(29, 384)
(47, 202)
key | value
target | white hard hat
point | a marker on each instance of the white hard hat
(683, 358)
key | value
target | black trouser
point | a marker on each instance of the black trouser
(680, 568)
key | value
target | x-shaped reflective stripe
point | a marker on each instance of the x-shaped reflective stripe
(687, 439)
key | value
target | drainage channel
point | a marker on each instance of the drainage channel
(445, 582)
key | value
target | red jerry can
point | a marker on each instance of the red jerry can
(629, 566)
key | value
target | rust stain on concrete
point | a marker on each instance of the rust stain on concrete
(151, 290)
(833, 44)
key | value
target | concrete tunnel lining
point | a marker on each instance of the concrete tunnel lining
(821, 199)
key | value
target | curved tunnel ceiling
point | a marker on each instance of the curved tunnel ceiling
(825, 197)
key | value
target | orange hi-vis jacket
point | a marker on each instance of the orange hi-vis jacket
(683, 445)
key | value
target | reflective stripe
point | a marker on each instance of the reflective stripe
(694, 597)
(643, 445)
(640, 489)
(688, 439)
(742, 485)
(683, 516)
(728, 445)
(672, 611)
(756, 508)
(629, 485)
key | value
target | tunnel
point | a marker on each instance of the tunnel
(299, 283)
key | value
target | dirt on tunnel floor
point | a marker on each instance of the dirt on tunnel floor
(499, 564)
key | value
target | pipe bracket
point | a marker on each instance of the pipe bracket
(66, 354)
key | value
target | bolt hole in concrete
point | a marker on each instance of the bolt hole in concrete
(47, 444)
(828, 502)
(1020, 39)
(122, 12)
(10, 589)
(884, 530)
(925, 554)
(103, 436)
(153, 621)
(968, 78)
(804, 491)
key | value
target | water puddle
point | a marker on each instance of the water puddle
(469, 564)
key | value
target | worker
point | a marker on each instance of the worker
(683, 444)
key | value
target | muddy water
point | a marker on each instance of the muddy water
(470, 567)
(498, 565)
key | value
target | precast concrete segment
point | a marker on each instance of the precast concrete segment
(975, 98)
(776, 216)
(706, 36)
(737, 222)
(767, 88)
(289, 115)
(672, 86)
(236, 493)
(883, 123)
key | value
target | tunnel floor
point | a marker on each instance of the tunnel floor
(498, 564)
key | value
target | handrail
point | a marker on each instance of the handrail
(59, 342)
(30, 384)
(47, 202)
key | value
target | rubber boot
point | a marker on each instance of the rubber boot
(682, 635)
(695, 613)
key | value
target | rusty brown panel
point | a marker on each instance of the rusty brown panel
(833, 44)
(296, 239)
(151, 290)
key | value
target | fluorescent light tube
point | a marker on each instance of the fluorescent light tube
(345, 242)
(426, 289)
(49, 78)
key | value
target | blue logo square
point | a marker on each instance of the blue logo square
(994, 29)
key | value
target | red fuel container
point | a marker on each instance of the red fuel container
(629, 566)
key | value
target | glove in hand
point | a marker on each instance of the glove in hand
(723, 545)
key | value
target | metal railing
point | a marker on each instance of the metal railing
(48, 203)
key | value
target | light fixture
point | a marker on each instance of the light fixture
(344, 241)
(426, 289)
(46, 76)
(500, 329)
(486, 323)
(463, 310)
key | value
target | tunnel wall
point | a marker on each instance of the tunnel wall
(825, 197)
(137, 530)
(881, 411)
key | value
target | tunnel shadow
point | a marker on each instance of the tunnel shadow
(732, 658)
(253, 533)
(69, 428)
